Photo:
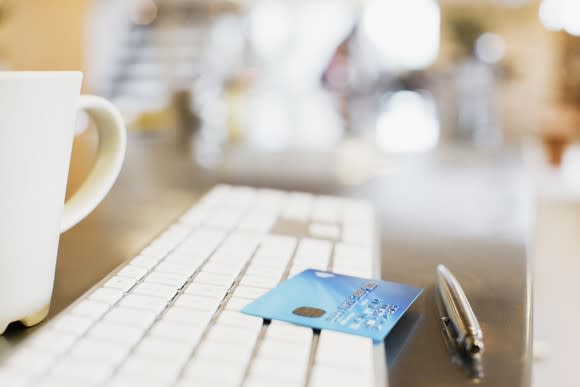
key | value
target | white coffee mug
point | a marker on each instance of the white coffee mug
(37, 119)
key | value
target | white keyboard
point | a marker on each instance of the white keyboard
(171, 315)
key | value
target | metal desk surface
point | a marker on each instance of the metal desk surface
(455, 206)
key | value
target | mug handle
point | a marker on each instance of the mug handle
(110, 155)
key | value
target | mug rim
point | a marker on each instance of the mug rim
(40, 74)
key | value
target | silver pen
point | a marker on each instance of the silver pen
(460, 322)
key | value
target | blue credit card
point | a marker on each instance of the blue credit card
(325, 300)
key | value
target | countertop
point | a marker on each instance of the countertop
(454, 205)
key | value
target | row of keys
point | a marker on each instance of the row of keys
(247, 209)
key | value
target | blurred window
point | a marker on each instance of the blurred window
(559, 15)
(409, 123)
(405, 33)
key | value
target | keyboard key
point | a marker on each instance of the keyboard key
(131, 316)
(324, 230)
(13, 378)
(116, 333)
(234, 335)
(121, 283)
(277, 248)
(196, 302)
(194, 317)
(192, 261)
(269, 198)
(204, 290)
(75, 325)
(265, 271)
(323, 376)
(357, 211)
(154, 251)
(174, 280)
(194, 216)
(155, 290)
(161, 348)
(52, 341)
(271, 370)
(297, 206)
(249, 292)
(174, 268)
(237, 303)
(358, 235)
(326, 209)
(241, 241)
(257, 222)
(85, 372)
(295, 270)
(207, 237)
(224, 268)
(29, 360)
(273, 348)
(147, 369)
(210, 372)
(224, 352)
(175, 233)
(144, 261)
(279, 262)
(223, 218)
(288, 332)
(312, 249)
(107, 295)
(57, 381)
(137, 301)
(132, 272)
(129, 380)
(176, 331)
(214, 279)
(239, 320)
(90, 308)
(100, 351)
(259, 282)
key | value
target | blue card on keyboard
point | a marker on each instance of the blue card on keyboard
(325, 300)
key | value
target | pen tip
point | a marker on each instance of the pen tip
(474, 346)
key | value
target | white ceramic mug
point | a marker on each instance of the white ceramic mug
(37, 119)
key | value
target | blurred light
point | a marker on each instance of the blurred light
(318, 124)
(288, 41)
(145, 12)
(556, 15)
(269, 126)
(550, 15)
(571, 17)
(408, 124)
(270, 28)
(311, 46)
(405, 33)
(223, 48)
(357, 161)
(490, 48)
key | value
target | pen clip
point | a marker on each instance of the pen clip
(449, 336)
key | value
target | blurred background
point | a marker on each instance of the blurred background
(488, 72)
(316, 93)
